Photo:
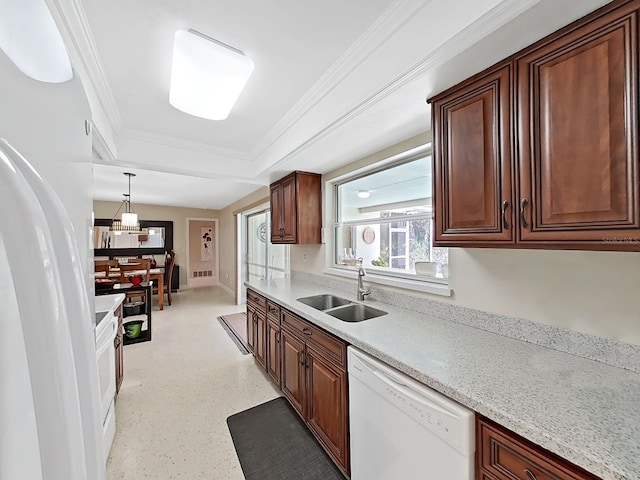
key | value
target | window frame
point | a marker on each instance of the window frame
(381, 275)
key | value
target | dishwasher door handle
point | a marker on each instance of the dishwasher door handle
(406, 390)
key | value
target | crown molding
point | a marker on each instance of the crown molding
(75, 28)
(480, 28)
(174, 142)
(387, 24)
(256, 180)
(101, 145)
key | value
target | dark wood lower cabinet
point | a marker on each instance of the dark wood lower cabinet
(256, 334)
(503, 455)
(309, 366)
(327, 412)
(273, 350)
(293, 372)
(118, 343)
(251, 326)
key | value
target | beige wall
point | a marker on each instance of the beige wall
(228, 241)
(177, 215)
(590, 292)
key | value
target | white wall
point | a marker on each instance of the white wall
(45, 123)
(591, 292)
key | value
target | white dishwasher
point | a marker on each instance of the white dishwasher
(401, 429)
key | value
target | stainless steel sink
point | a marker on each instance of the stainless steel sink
(355, 312)
(324, 302)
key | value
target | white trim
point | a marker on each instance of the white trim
(239, 253)
(404, 283)
(227, 290)
(217, 247)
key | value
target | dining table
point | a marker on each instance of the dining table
(155, 274)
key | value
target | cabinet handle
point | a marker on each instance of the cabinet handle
(278, 337)
(523, 205)
(505, 205)
(307, 332)
(301, 358)
(306, 362)
(530, 474)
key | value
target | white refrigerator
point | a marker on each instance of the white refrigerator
(50, 425)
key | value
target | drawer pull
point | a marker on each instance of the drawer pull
(307, 332)
(530, 474)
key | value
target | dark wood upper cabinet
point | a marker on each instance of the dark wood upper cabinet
(540, 150)
(472, 161)
(296, 209)
(578, 133)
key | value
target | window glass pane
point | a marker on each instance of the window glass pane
(389, 225)
(395, 189)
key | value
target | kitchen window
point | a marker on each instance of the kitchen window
(383, 218)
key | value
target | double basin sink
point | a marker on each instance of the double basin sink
(341, 308)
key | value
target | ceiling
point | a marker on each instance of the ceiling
(333, 81)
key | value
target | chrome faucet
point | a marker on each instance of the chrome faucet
(362, 292)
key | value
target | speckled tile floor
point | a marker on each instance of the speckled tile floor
(178, 391)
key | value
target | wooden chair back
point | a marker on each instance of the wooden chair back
(139, 264)
(104, 265)
(169, 262)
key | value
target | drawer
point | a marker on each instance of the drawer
(507, 456)
(335, 348)
(257, 300)
(273, 311)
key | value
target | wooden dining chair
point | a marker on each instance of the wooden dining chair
(139, 266)
(169, 262)
(104, 265)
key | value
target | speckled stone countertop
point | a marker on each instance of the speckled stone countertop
(108, 303)
(580, 409)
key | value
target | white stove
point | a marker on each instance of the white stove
(105, 330)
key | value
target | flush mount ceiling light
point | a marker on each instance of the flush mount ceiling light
(128, 222)
(30, 38)
(207, 76)
(363, 194)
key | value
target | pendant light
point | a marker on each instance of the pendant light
(128, 222)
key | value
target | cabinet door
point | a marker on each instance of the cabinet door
(276, 213)
(273, 351)
(293, 371)
(251, 327)
(260, 346)
(327, 415)
(290, 210)
(578, 153)
(472, 162)
(119, 347)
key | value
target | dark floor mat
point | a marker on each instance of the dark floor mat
(272, 443)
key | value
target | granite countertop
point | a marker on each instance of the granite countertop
(108, 303)
(583, 410)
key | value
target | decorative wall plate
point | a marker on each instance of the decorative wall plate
(368, 235)
(262, 232)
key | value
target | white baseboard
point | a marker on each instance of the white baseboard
(230, 292)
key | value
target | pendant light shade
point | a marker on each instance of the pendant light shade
(128, 222)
